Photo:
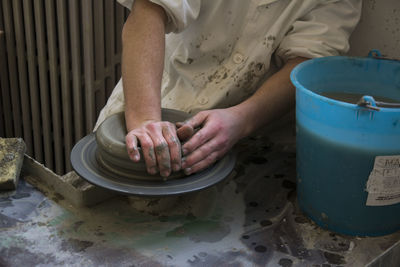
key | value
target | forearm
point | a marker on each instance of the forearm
(143, 40)
(273, 99)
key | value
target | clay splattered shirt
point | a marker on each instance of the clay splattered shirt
(218, 52)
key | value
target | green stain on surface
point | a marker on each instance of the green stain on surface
(59, 219)
(201, 230)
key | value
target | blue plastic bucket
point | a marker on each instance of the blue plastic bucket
(338, 144)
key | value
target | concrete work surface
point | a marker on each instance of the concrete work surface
(251, 219)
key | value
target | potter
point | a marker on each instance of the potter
(228, 63)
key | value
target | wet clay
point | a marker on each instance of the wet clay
(111, 148)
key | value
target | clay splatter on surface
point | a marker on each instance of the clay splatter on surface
(333, 258)
(201, 231)
(284, 262)
(76, 245)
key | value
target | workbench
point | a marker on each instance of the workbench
(250, 219)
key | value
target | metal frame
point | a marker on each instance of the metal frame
(59, 62)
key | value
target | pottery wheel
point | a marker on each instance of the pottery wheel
(101, 159)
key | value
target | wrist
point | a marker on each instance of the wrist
(244, 120)
(134, 120)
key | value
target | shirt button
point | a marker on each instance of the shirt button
(203, 100)
(238, 58)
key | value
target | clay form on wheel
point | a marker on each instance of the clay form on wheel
(111, 147)
(105, 163)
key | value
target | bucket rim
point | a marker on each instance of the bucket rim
(299, 86)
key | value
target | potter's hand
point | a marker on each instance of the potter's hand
(220, 130)
(160, 146)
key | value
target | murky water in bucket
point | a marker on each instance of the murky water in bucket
(353, 98)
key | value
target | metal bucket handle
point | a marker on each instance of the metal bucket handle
(376, 54)
(368, 101)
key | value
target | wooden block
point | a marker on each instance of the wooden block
(70, 187)
(11, 158)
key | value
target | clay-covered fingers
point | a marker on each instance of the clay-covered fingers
(160, 148)
(205, 162)
(132, 146)
(149, 154)
(174, 145)
(201, 136)
(147, 147)
(204, 156)
(219, 130)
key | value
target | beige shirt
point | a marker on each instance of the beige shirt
(219, 51)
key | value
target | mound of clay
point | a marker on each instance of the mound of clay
(111, 149)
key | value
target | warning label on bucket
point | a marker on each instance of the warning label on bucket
(383, 185)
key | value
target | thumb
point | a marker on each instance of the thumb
(188, 128)
(185, 132)
(197, 120)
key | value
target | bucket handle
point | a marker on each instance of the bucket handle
(376, 54)
(370, 103)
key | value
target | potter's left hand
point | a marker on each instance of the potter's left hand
(219, 130)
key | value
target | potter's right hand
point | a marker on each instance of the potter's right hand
(160, 147)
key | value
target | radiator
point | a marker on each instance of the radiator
(59, 61)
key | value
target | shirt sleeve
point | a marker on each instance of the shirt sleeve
(180, 13)
(126, 3)
(323, 31)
